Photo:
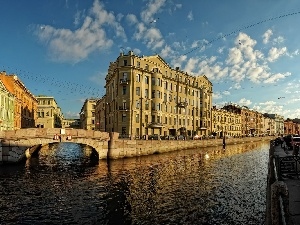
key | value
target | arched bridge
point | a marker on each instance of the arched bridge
(17, 144)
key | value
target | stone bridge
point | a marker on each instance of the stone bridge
(17, 145)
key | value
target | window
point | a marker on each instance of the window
(165, 97)
(146, 119)
(124, 90)
(146, 67)
(125, 62)
(138, 78)
(124, 117)
(146, 80)
(137, 104)
(166, 120)
(158, 94)
(146, 105)
(174, 121)
(153, 94)
(124, 76)
(146, 93)
(153, 81)
(153, 118)
(124, 105)
(138, 64)
(158, 119)
(137, 91)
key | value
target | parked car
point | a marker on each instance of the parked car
(197, 137)
(180, 137)
(295, 145)
(154, 137)
(168, 137)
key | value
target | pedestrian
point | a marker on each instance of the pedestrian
(281, 141)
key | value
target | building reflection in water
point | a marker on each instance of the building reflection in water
(197, 186)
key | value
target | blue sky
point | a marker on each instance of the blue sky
(248, 49)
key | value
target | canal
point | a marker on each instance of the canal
(200, 186)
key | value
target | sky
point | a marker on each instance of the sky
(248, 49)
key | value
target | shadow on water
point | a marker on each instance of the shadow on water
(198, 186)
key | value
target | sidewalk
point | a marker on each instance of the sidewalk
(293, 184)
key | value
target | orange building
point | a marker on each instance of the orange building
(289, 127)
(25, 102)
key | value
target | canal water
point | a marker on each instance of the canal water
(63, 185)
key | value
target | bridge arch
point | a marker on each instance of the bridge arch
(17, 144)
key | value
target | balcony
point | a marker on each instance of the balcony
(155, 125)
(123, 81)
(182, 104)
(122, 108)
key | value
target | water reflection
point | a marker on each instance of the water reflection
(183, 187)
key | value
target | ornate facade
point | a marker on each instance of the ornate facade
(226, 121)
(145, 96)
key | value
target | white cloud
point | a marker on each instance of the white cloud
(152, 8)
(267, 35)
(216, 95)
(166, 51)
(278, 40)
(234, 57)
(190, 16)
(190, 65)
(66, 45)
(275, 53)
(132, 19)
(153, 38)
(226, 92)
(244, 102)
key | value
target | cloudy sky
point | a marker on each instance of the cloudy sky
(248, 49)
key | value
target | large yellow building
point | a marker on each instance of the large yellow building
(226, 121)
(145, 96)
(87, 114)
(49, 114)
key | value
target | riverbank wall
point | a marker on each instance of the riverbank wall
(124, 148)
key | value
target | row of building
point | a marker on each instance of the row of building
(19, 108)
(145, 96)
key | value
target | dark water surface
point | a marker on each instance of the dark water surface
(200, 186)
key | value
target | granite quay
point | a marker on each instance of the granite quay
(20, 144)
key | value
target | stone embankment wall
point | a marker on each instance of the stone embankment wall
(122, 148)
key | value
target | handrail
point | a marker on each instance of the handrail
(281, 206)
